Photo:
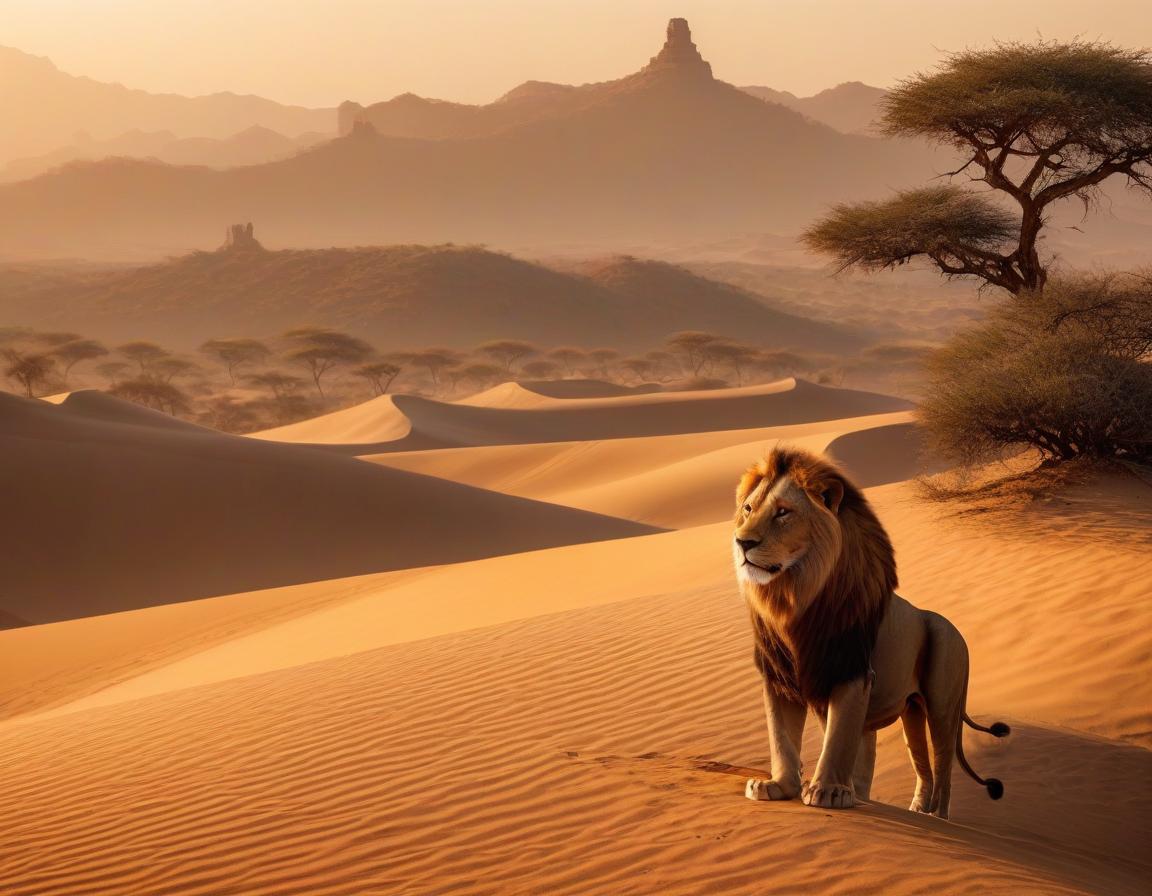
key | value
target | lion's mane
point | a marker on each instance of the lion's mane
(805, 653)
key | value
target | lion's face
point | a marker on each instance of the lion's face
(779, 520)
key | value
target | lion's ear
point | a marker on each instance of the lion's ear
(832, 494)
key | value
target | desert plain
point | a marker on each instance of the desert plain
(542, 681)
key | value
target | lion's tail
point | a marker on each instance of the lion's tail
(994, 786)
(996, 729)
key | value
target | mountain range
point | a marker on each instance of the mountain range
(668, 152)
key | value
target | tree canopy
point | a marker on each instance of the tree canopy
(1033, 123)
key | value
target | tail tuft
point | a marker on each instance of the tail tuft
(999, 729)
(995, 786)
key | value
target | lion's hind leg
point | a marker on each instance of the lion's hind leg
(915, 721)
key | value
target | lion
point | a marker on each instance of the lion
(818, 573)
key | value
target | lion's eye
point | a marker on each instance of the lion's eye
(781, 512)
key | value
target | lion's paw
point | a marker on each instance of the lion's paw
(768, 789)
(828, 796)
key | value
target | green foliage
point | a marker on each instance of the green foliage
(1036, 123)
(1092, 99)
(1066, 373)
(950, 225)
(153, 392)
(31, 370)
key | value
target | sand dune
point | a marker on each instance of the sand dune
(668, 481)
(529, 393)
(146, 509)
(575, 719)
(576, 748)
(514, 415)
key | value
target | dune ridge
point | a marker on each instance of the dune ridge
(574, 718)
(513, 415)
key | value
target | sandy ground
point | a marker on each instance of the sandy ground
(579, 718)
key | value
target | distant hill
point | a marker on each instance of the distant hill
(669, 152)
(399, 296)
(42, 108)
(251, 146)
(851, 107)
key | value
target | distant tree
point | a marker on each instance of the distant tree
(569, 357)
(280, 384)
(663, 365)
(73, 351)
(482, 373)
(236, 353)
(53, 339)
(604, 358)
(540, 369)
(1035, 124)
(228, 414)
(690, 347)
(779, 363)
(379, 374)
(154, 393)
(142, 354)
(434, 360)
(32, 370)
(168, 369)
(318, 350)
(111, 371)
(507, 351)
(735, 355)
(1066, 372)
(640, 368)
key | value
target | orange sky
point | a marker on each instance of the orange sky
(319, 52)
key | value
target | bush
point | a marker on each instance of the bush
(1066, 373)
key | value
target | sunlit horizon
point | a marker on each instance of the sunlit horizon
(321, 53)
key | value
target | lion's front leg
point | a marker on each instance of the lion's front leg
(831, 785)
(785, 731)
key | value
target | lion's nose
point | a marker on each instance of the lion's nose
(746, 544)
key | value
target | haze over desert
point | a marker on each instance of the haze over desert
(374, 519)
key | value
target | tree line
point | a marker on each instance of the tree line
(241, 384)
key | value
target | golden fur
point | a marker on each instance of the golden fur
(818, 573)
(816, 621)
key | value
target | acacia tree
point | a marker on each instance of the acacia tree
(235, 353)
(603, 358)
(435, 360)
(72, 352)
(379, 374)
(143, 354)
(111, 371)
(318, 350)
(1034, 124)
(569, 356)
(507, 351)
(482, 373)
(32, 370)
(281, 385)
(691, 347)
(168, 369)
(1066, 373)
(154, 393)
(736, 355)
(541, 369)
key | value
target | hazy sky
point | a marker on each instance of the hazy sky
(319, 52)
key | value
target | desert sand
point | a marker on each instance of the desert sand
(564, 703)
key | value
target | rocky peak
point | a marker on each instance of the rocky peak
(679, 55)
(239, 238)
